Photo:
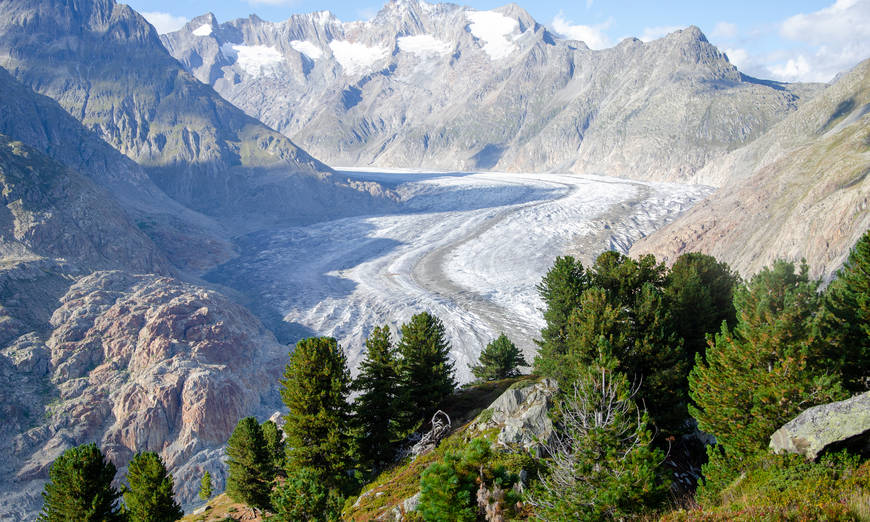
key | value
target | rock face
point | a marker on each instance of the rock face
(112, 73)
(521, 415)
(135, 363)
(835, 426)
(444, 86)
(802, 190)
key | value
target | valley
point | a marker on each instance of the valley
(469, 247)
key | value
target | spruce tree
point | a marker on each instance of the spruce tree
(315, 389)
(149, 496)
(425, 370)
(499, 360)
(560, 290)
(845, 321)
(80, 488)
(205, 486)
(376, 407)
(249, 465)
(274, 438)
(758, 376)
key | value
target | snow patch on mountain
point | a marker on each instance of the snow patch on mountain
(493, 29)
(203, 30)
(254, 60)
(356, 57)
(307, 48)
(424, 44)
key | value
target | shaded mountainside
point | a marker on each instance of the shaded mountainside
(802, 190)
(105, 65)
(444, 86)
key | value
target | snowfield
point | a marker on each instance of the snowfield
(469, 247)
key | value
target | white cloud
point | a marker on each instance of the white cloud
(653, 33)
(593, 36)
(738, 57)
(724, 30)
(834, 40)
(164, 22)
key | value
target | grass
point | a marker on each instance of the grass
(223, 509)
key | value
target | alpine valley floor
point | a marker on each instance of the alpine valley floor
(469, 247)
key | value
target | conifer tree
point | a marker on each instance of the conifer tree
(758, 376)
(560, 290)
(149, 496)
(205, 486)
(700, 295)
(80, 488)
(274, 438)
(249, 465)
(499, 360)
(315, 389)
(425, 370)
(376, 409)
(845, 321)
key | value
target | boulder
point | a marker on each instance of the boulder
(834, 426)
(521, 414)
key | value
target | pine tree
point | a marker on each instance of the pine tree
(425, 370)
(274, 438)
(80, 488)
(249, 465)
(602, 465)
(700, 295)
(315, 389)
(205, 486)
(149, 496)
(499, 360)
(376, 408)
(304, 496)
(560, 290)
(758, 376)
(845, 321)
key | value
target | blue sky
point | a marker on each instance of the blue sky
(798, 40)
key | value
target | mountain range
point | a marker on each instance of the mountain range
(132, 164)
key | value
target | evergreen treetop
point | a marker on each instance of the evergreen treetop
(425, 370)
(80, 488)
(205, 486)
(149, 495)
(499, 360)
(315, 389)
(250, 478)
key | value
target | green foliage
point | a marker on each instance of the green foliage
(149, 495)
(449, 487)
(273, 436)
(250, 468)
(560, 290)
(845, 321)
(424, 368)
(601, 463)
(758, 376)
(624, 312)
(499, 360)
(80, 488)
(304, 496)
(376, 408)
(205, 486)
(788, 487)
(699, 291)
(315, 389)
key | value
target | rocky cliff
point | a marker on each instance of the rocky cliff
(800, 191)
(444, 86)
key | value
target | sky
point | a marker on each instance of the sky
(795, 40)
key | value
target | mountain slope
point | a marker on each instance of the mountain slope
(106, 66)
(444, 86)
(802, 190)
